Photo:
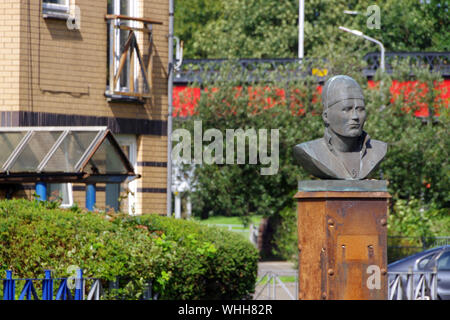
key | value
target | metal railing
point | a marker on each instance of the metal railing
(275, 288)
(403, 246)
(412, 285)
(436, 61)
(401, 286)
(195, 70)
(72, 288)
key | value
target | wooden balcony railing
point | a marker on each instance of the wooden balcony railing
(138, 85)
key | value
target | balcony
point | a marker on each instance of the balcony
(129, 70)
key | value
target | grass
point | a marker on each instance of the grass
(236, 223)
(284, 279)
(228, 220)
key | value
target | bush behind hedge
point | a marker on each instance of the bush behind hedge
(184, 260)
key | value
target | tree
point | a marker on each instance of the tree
(190, 18)
(269, 28)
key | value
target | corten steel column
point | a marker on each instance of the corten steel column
(342, 232)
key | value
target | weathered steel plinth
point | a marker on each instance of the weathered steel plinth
(342, 228)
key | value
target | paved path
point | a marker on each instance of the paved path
(279, 291)
(279, 267)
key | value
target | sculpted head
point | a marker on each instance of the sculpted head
(344, 111)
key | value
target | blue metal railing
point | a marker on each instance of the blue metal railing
(64, 291)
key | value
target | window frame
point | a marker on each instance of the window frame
(422, 263)
(133, 6)
(69, 189)
(56, 9)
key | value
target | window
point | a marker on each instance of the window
(61, 191)
(114, 190)
(55, 8)
(444, 262)
(124, 8)
(129, 52)
(423, 262)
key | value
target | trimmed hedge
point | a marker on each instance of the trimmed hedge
(211, 263)
(184, 260)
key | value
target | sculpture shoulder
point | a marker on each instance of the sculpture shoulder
(378, 147)
(309, 149)
(313, 156)
(375, 153)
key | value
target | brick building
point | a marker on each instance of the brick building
(103, 63)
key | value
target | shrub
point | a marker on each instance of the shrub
(211, 263)
(182, 259)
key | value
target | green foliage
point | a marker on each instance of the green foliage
(286, 235)
(183, 260)
(413, 226)
(419, 30)
(207, 263)
(240, 190)
(413, 218)
(416, 164)
(249, 29)
(269, 28)
(190, 18)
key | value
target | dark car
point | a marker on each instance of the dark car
(433, 259)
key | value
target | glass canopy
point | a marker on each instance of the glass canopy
(63, 154)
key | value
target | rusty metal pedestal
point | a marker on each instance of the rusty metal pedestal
(342, 230)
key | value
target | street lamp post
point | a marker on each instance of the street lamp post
(362, 35)
(301, 24)
(382, 66)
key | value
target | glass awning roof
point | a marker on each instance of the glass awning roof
(62, 154)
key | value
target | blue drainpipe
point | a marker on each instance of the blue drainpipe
(90, 196)
(41, 191)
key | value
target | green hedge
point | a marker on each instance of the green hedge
(210, 263)
(183, 259)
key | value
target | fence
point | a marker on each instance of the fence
(72, 288)
(400, 246)
(401, 286)
(275, 288)
(412, 285)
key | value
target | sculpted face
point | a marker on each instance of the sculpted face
(346, 118)
(344, 110)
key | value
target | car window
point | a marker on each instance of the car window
(422, 262)
(444, 261)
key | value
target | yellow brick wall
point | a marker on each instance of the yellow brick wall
(151, 149)
(65, 71)
(151, 203)
(9, 54)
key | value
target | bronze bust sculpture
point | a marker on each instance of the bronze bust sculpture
(345, 152)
